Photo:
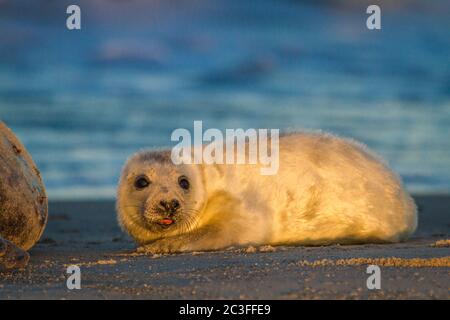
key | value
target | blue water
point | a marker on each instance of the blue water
(82, 101)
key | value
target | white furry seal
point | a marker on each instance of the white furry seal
(327, 190)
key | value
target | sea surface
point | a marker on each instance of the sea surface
(83, 100)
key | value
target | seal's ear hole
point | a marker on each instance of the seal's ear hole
(141, 182)
(184, 183)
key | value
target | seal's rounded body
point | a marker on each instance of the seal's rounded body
(327, 190)
(23, 201)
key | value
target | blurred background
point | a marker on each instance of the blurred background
(83, 101)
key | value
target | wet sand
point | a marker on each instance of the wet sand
(86, 234)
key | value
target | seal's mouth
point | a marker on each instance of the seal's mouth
(166, 222)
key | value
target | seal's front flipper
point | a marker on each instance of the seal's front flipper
(11, 256)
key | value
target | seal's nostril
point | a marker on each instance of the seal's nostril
(170, 206)
(175, 204)
(164, 204)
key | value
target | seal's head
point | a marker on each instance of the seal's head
(157, 198)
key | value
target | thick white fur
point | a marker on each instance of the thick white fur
(328, 190)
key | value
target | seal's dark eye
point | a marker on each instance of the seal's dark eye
(141, 182)
(183, 182)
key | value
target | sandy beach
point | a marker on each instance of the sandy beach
(84, 86)
(86, 234)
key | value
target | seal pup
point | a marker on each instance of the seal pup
(328, 190)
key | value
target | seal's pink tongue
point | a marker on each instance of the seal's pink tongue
(166, 221)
